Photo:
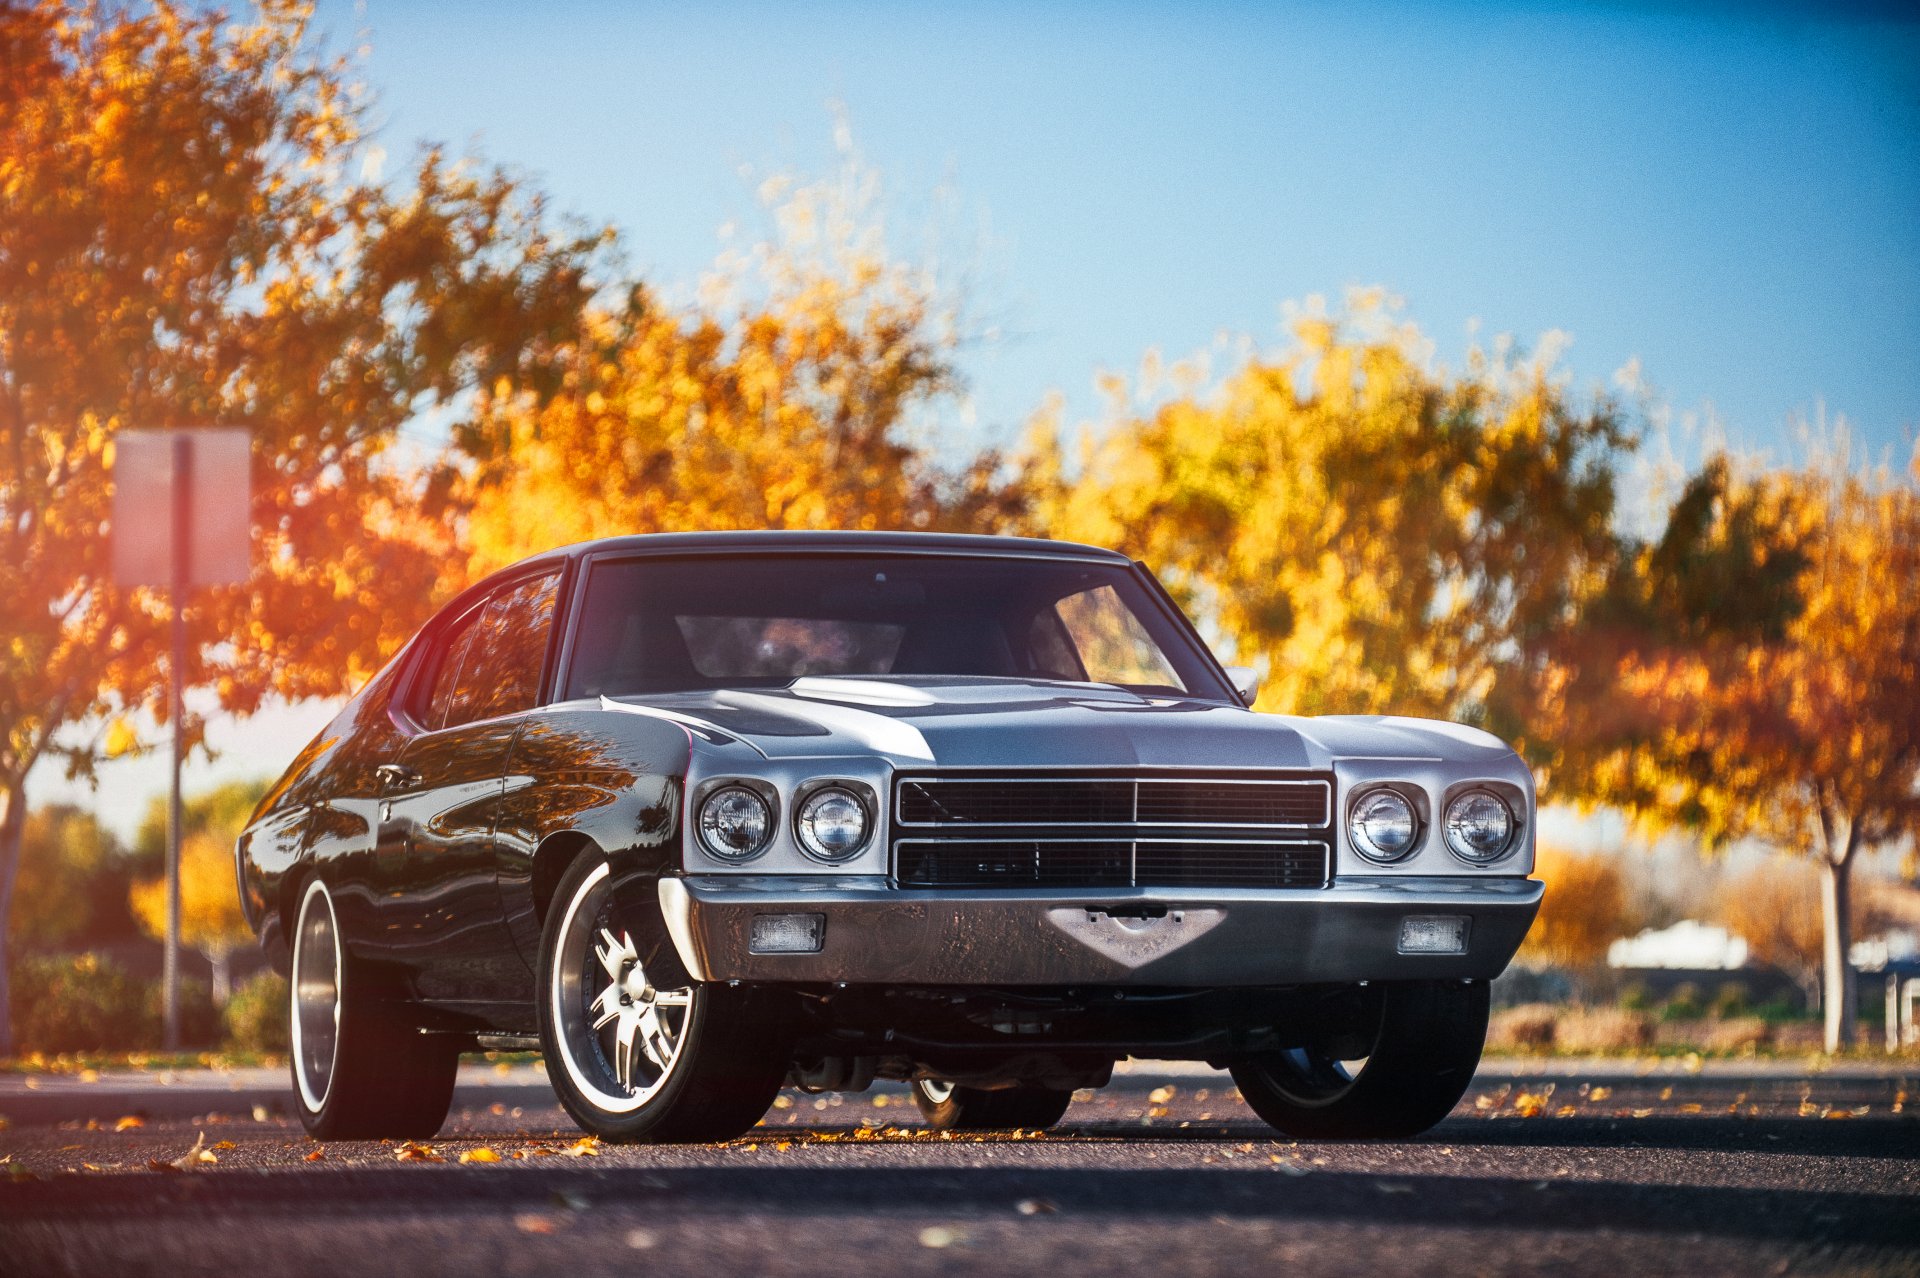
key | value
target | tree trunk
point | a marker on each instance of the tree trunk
(13, 829)
(1837, 928)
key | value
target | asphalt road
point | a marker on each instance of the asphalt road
(1589, 1169)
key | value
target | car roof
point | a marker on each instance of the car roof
(790, 541)
(832, 541)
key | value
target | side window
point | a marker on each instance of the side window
(1111, 643)
(438, 704)
(500, 672)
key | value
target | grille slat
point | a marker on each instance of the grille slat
(1007, 831)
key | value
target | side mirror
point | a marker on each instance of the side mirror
(1246, 682)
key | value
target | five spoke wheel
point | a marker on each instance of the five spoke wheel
(635, 1047)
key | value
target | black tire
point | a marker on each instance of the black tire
(948, 1107)
(1421, 1043)
(608, 974)
(361, 1069)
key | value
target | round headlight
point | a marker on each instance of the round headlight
(1385, 826)
(1479, 826)
(735, 823)
(831, 824)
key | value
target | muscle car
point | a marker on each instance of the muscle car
(700, 816)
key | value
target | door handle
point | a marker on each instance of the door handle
(396, 776)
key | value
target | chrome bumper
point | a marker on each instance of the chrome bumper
(880, 935)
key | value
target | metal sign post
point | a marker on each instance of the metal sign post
(181, 518)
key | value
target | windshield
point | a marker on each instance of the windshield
(654, 625)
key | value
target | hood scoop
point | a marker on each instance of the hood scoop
(861, 692)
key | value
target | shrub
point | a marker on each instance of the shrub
(1731, 1000)
(199, 1018)
(256, 1015)
(1735, 1035)
(1636, 997)
(1684, 1004)
(1603, 1029)
(1527, 1028)
(80, 1003)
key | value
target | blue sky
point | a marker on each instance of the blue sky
(1731, 199)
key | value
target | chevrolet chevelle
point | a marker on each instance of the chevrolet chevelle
(704, 815)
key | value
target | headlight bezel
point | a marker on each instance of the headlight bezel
(1455, 843)
(1411, 797)
(818, 788)
(769, 799)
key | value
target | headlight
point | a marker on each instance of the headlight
(831, 824)
(735, 823)
(1384, 825)
(1479, 826)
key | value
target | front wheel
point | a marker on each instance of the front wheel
(949, 1107)
(1397, 1070)
(636, 1049)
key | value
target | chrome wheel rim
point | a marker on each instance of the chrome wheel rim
(620, 1037)
(316, 997)
(936, 1090)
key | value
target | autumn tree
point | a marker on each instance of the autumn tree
(1585, 909)
(1377, 536)
(1760, 678)
(803, 391)
(189, 234)
(72, 888)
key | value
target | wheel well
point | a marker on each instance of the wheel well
(550, 862)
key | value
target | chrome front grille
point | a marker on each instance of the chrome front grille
(1092, 829)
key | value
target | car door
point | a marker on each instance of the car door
(444, 921)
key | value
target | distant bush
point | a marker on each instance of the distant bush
(256, 1015)
(1684, 1004)
(199, 1018)
(1636, 997)
(1602, 1029)
(1527, 1028)
(80, 1003)
(1735, 1034)
(1731, 1000)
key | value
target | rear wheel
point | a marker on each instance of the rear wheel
(361, 1071)
(1397, 1071)
(949, 1107)
(636, 1049)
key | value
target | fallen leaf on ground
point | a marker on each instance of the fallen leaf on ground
(480, 1155)
(1529, 1104)
(197, 1155)
(412, 1151)
(1160, 1095)
(129, 1122)
(221, 1144)
(316, 1155)
(1600, 1093)
(585, 1147)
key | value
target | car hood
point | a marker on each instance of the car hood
(975, 722)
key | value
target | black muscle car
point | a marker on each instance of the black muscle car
(703, 815)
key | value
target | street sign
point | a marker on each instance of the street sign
(182, 518)
(216, 480)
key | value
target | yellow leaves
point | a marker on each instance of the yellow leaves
(585, 1147)
(122, 738)
(1530, 1104)
(197, 1156)
(413, 1151)
(129, 1122)
(481, 1155)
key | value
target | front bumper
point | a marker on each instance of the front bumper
(876, 934)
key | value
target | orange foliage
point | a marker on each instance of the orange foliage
(1584, 911)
